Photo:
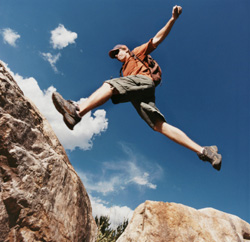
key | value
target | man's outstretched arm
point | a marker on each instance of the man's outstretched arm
(163, 33)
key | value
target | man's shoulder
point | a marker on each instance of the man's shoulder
(144, 49)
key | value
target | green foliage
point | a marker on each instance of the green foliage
(105, 233)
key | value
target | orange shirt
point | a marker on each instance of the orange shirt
(133, 66)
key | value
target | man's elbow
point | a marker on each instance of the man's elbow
(156, 41)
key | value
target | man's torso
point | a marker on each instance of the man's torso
(133, 66)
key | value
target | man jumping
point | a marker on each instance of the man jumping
(136, 86)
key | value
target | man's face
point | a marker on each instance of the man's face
(122, 54)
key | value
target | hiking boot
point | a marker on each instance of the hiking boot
(68, 109)
(210, 154)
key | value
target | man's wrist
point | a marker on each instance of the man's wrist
(173, 19)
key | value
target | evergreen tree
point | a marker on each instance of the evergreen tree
(105, 233)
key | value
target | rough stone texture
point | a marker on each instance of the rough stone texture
(41, 196)
(165, 222)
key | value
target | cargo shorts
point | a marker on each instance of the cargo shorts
(140, 91)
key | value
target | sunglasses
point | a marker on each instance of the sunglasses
(116, 52)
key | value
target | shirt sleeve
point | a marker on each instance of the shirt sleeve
(144, 49)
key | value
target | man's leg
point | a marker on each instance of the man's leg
(72, 114)
(99, 97)
(177, 135)
(207, 153)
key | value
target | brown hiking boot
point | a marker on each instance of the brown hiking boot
(67, 108)
(210, 154)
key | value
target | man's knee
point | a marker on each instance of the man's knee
(158, 125)
(155, 128)
(111, 87)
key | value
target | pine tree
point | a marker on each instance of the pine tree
(105, 233)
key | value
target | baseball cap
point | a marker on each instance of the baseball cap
(115, 50)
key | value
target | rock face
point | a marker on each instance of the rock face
(41, 196)
(165, 222)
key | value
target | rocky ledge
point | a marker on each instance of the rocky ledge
(41, 196)
(171, 222)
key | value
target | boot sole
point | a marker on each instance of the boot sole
(66, 118)
(217, 163)
(58, 103)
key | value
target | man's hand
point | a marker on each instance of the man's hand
(177, 10)
(163, 33)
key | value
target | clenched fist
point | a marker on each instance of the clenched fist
(177, 10)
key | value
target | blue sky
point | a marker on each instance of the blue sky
(63, 45)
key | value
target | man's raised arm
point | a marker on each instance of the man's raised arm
(163, 33)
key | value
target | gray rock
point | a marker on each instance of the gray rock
(171, 222)
(41, 196)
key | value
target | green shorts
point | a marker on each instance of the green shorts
(140, 91)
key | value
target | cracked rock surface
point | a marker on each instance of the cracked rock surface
(41, 196)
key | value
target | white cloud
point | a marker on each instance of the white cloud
(52, 59)
(143, 180)
(10, 36)
(117, 214)
(81, 136)
(117, 175)
(61, 37)
(93, 182)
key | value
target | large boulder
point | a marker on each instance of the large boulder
(165, 222)
(41, 196)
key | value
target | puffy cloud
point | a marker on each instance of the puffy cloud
(10, 36)
(52, 59)
(117, 214)
(117, 175)
(80, 136)
(61, 37)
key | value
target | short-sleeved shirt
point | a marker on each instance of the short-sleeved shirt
(133, 66)
(136, 86)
